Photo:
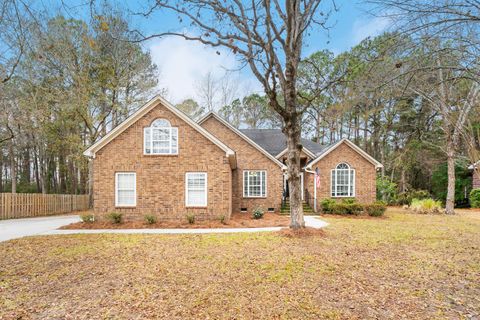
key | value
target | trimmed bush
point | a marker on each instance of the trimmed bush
(87, 218)
(349, 200)
(258, 213)
(347, 208)
(150, 219)
(475, 198)
(115, 217)
(425, 206)
(376, 209)
(191, 218)
(326, 205)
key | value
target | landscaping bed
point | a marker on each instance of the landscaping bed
(237, 220)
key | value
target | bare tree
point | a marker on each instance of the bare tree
(207, 90)
(268, 36)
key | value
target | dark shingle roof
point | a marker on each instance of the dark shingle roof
(274, 141)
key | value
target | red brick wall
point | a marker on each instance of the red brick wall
(161, 178)
(248, 158)
(365, 175)
(476, 179)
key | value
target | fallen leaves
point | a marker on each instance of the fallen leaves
(405, 266)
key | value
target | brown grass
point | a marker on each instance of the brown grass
(237, 220)
(405, 267)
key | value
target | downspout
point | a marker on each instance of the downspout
(314, 188)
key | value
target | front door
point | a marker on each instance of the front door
(286, 189)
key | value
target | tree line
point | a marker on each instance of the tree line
(74, 81)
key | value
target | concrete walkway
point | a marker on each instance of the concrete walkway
(17, 228)
(12, 229)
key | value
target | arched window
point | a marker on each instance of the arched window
(343, 181)
(160, 138)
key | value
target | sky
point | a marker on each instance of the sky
(183, 64)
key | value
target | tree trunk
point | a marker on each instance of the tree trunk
(450, 202)
(292, 131)
(13, 168)
(403, 184)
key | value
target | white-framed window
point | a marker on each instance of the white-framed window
(254, 183)
(343, 181)
(196, 189)
(160, 138)
(125, 189)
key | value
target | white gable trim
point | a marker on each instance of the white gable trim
(350, 144)
(304, 149)
(93, 149)
(474, 166)
(241, 135)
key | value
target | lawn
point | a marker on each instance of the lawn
(401, 266)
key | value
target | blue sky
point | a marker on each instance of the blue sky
(184, 64)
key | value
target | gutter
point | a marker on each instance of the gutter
(314, 188)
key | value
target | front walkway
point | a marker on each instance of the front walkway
(12, 229)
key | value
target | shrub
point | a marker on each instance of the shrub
(408, 196)
(425, 206)
(87, 218)
(191, 218)
(258, 213)
(475, 198)
(326, 205)
(223, 219)
(346, 207)
(150, 219)
(115, 217)
(386, 190)
(349, 200)
(376, 209)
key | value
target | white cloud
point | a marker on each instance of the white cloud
(363, 28)
(184, 63)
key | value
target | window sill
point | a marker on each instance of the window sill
(125, 207)
(161, 155)
(255, 197)
(196, 207)
(342, 196)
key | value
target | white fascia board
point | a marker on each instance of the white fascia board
(353, 146)
(90, 152)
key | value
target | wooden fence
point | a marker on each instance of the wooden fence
(23, 205)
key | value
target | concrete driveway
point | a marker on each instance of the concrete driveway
(17, 228)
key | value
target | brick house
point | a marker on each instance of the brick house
(159, 161)
(475, 175)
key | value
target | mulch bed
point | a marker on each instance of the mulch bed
(237, 220)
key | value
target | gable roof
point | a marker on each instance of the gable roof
(352, 145)
(93, 149)
(240, 133)
(275, 142)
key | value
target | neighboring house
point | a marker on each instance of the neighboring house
(159, 161)
(476, 175)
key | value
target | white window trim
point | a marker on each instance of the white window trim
(333, 191)
(134, 189)
(266, 184)
(205, 204)
(151, 141)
